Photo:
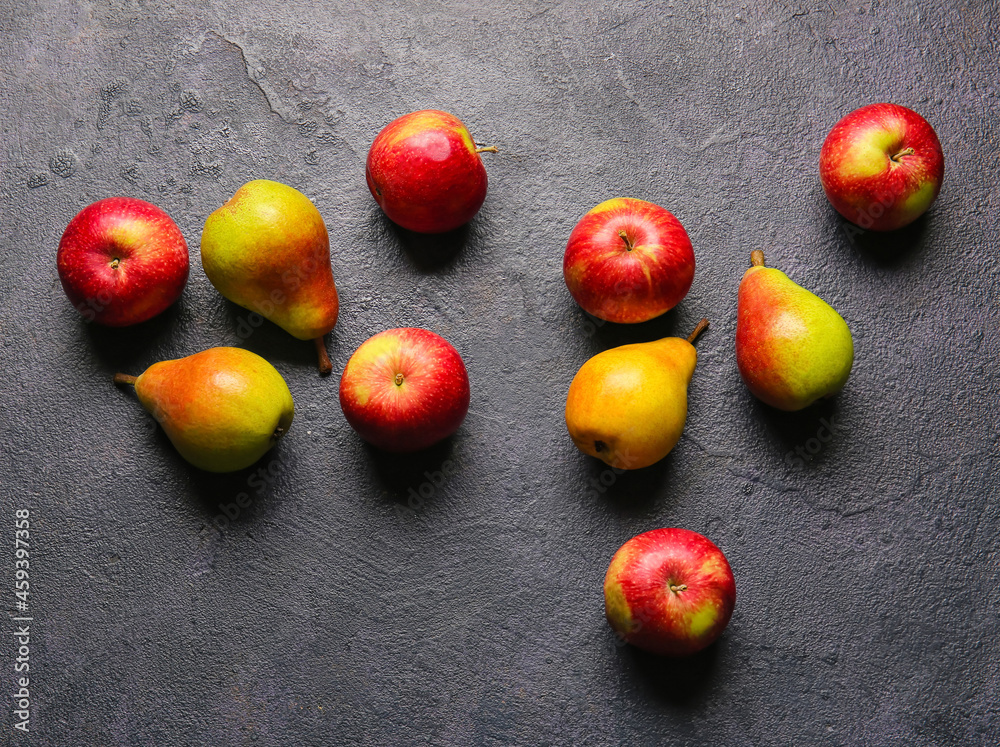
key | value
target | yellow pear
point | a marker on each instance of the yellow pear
(267, 249)
(627, 406)
(222, 408)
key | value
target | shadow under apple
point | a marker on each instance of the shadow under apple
(885, 248)
(413, 477)
(682, 680)
(602, 335)
(611, 334)
(131, 349)
(428, 252)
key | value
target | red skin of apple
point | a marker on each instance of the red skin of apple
(122, 261)
(881, 166)
(628, 261)
(669, 591)
(405, 389)
(425, 173)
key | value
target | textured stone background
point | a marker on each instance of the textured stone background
(336, 610)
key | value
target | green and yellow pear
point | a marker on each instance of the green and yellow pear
(627, 406)
(222, 408)
(267, 250)
(792, 348)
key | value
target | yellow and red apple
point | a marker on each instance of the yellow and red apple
(425, 172)
(122, 261)
(669, 591)
(405, 389)
(628, 261)
(881, 166)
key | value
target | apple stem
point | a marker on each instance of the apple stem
(398, 380)
(120, 378)
(487, 149)
(756, 258)
(325, 366)
(701, 327)
(904, 152)
(675, 588)
(628, 242)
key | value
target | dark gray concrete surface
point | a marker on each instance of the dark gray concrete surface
(338, 610)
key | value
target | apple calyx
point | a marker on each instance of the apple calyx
(124, 379)
(325, 366)
(629, 246)
(398, 380)
(487, 149)
(756, 258)
(699, 328)
(278, 433)
(905, 152)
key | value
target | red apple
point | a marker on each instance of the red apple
(669, 591)
(405, 389)
(881, 166)
(424, 170)
(122, 261)
(628, 261)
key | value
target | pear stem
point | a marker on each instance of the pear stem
(487, 149)
(701, 327)
(325, 366)
(120, 378)
(757, 258)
